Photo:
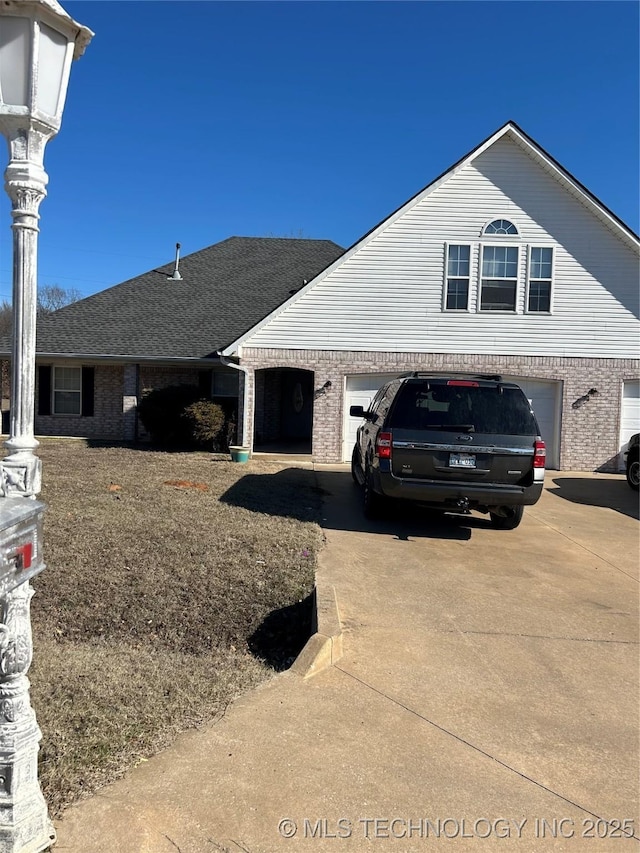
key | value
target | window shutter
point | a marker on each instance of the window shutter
(87, 391)
(204, 383)
(44, 389)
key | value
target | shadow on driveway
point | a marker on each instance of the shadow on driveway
(611, 492)
(271, 494)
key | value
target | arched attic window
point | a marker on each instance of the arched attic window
(501, 228)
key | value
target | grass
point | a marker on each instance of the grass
(174, 582)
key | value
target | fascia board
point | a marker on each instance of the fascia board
(120, 359)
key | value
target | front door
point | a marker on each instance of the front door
(297, 405)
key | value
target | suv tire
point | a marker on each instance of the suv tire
(509, 521)
(372, 502)
(633, 470)
(355, 464)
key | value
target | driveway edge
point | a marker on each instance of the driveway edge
(324, 647)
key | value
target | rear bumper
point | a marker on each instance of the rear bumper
(438, 493)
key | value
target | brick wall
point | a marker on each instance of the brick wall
(114, 401)
(107, 420)
(589, 433)
(157, 376)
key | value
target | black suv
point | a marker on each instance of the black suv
(453, 442)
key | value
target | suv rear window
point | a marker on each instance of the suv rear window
(486, 409)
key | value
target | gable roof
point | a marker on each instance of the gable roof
(509, 130)
(225, 290)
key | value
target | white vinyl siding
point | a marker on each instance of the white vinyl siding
(387, 295)
(66, 391)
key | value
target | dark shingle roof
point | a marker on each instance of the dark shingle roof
(225, 290)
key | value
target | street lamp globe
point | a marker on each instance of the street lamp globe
(38, 41)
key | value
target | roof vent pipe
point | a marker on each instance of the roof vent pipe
(176, 272)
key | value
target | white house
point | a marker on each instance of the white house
(504, 264)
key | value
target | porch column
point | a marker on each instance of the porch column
(246, 405)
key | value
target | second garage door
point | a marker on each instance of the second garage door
(629, 416)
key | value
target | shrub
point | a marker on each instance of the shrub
(161, 412)
(206, 421)
(229, 406)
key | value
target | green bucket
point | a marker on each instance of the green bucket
(239, 454)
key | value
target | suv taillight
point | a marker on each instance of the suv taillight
(383, 445)
(539, 454)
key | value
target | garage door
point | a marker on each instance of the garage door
(359, 391)
(630, 415)
(544, 396)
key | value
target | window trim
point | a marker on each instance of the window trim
(54, 369)
(529, 279)
(445, 289)
(516, 280)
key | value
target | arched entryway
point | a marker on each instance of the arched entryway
(283, 419)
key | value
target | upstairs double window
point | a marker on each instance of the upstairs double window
(495, 264)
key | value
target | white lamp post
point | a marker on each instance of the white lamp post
(38, 42)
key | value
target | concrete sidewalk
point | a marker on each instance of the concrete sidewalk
(486, 698)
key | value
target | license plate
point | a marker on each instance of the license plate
(462, 460)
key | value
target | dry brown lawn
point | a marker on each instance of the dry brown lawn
(151, 615)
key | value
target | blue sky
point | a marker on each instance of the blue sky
(191, 122)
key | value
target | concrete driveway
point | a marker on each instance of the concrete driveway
(487, 699)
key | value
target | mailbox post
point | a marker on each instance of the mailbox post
(38, 42)
(24, 821)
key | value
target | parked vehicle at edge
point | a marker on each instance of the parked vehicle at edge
(632, 465)
(453, 442)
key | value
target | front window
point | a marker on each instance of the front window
(540, 278)
(67, 390)
(457, 293)
(224, 384)
(499, 278)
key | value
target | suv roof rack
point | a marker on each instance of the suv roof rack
(438, 374)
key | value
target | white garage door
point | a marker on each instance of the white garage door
(545, 398)
(359, 391)
(544, 395)
(630, 415)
